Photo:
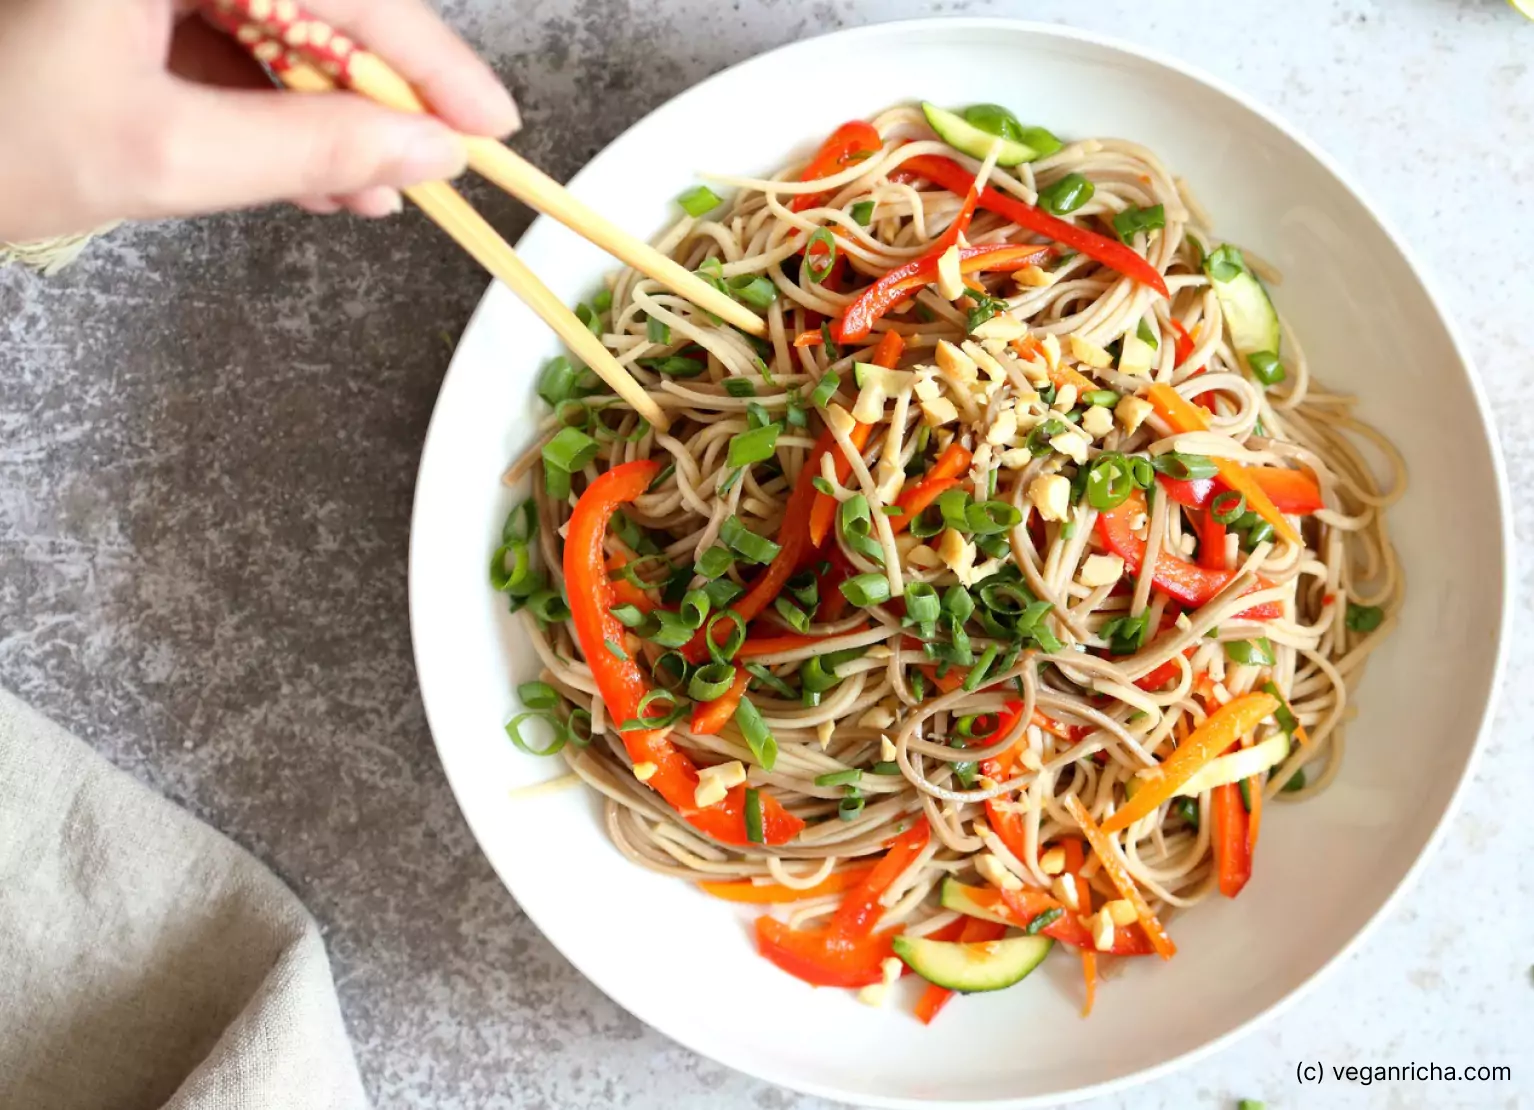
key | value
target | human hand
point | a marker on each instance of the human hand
(137, 109)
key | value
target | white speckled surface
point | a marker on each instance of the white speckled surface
(208, 437)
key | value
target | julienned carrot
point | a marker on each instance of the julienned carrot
(1102, 845)
(934, 998)
(943, 475)
(1184, 416)
(710, 716)
(1224, 727)
(1254, 791)
(763, 894)
(1232, 846)
(891, 346)
(1074, 861)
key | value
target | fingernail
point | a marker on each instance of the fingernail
(428, 151)
(506, 112)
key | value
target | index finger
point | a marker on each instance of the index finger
(410, 37)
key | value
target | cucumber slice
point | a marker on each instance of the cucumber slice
(1238, 765)
(966, 138)
(983, 966)
(1249, 313)
(956, 896)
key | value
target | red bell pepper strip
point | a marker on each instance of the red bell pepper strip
(624, 591)
(1232, 845)
(1291, 491)
(948, 174)
(1184, 345)
(833, 603)
(619, 679)
(943, 475)
(851, 142)
(1184, 416)
(710, 716)
(846, 952)
(1189, 583)
(860, 910)
(1020, 907)
(886, 354)
(1211, 541)
(903, 281)
(934, 998)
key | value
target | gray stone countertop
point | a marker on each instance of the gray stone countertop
(208, 441)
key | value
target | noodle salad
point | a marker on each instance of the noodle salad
(992, 599)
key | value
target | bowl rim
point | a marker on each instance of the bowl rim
(1506, 554)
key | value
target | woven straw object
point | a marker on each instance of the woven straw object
(49, 255)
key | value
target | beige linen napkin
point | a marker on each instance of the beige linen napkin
(145, 960)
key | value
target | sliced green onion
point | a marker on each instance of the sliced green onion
(818, 262)
(921, 603)
(770, 680)
(730, 479)
(757, 416)
(866, 589)
(504, 580)
(642, 718)
(710, 681)
(1043, 921)
(1224, 263)
(1251, 1104)
(854, 517)
(721, 591)
(694, 609)
(1258, 651)
(538, 695)
(958, 603)
(1184, 468)
(570, 450)
(1127, 635)
(1295, 783)
(754, 289)
(1141, 472)
(572, 413)
(656, 331)
(724, 652)
(825, 389)
(1133, 220)
(863, 213)
(1265, 367)
(850, 807)
(754, 816)
(674, 366)
(578, 727)
(919, 687)
(764, 748)
(1104, 397)
(714, 562)
(549, 606)
(746, 543)
(1258, 533)
(1147, 336)
(1068, 530)
(839, 778)
(927, 524)
(590, 317)
(739, 387)
(1363, 618)
(629, 616)
(795, 617)
(989, 518)
(670, 671)
(823, 486)
(817, 674)
(1285, 718)
(615, 649)
(670, 630)
(1067, 194)
(1187, 809)
(558, 380)
(1227, 507)
(953, 506)
(699, 201)
(804, 588)
(828, 343)
(555, 745)
(794, 414)
(885, 767)
(521, 523)
(754, 446)
(982, 667)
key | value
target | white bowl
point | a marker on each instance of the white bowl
(685, 963)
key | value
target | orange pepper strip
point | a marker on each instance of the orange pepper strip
(943, 475)
(1074, 861)
(1186, 417)
(1102, 844)
(710, 716)
(886, 354)
(761, 894)
(1222, 728)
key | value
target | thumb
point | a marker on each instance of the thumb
(220, 148)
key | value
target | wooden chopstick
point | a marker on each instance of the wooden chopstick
(453, 214)
(307, 38)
